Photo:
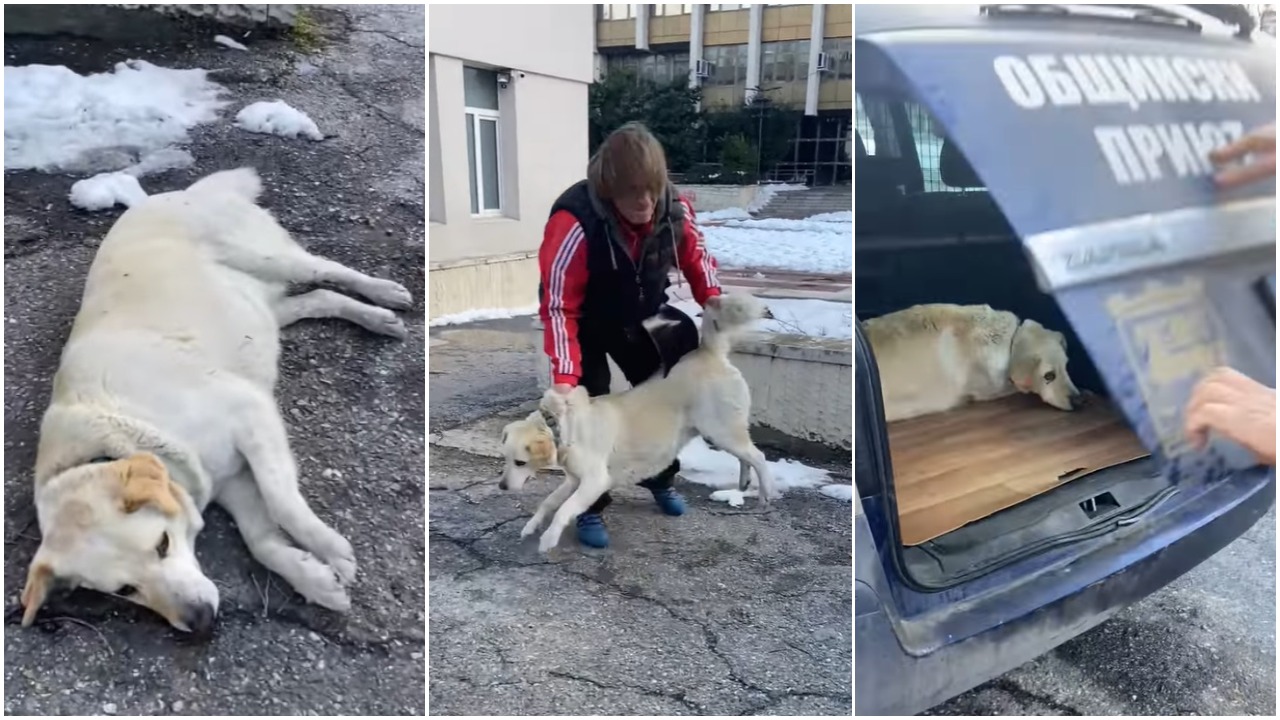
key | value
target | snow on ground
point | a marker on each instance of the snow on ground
(812, 317)
(817, 246)
(58, 121)
(467, 316)
(793, 316)
(718, 469)
(105, 190)
(766, 193)
(839, 492)
(722, 215)
(277, 118)
(228, 42)
(842, 216)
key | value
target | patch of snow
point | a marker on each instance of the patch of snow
(105, 190)
(812, 317)
(767, 193)
(734, 497)
(467, 316)
(718, 469)
(725, 214)
(779, 244)
(277, 118)
(839, 492)
(228, 42)
(56, 120)
(161, 161)
(842, 216)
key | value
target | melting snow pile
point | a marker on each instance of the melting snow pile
(277, 118)
(58, 121)
(467, 316)
(105, 190)
(718, 469)
(228, 42)
(722, 215)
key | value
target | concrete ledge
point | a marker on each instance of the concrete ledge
(801, 389)
(509, 281)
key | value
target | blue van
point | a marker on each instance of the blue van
(1050, 161)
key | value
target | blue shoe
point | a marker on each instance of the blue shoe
(669, 501)
(591, 531)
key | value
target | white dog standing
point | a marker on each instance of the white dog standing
(620, 439)
(937, 357)
(164, 402)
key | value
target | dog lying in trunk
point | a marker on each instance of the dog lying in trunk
(619, 439)
(933, 358)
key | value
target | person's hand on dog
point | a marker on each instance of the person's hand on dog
(1238, 408)
(1252, 158)
(562, 388)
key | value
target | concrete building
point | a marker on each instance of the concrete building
(507, 105)
(788, 54)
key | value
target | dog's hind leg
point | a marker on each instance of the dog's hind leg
(593, 484)
(550, 504)
(290, 263)
(329, 304)
(737, 442)
(261, 438)
(307, 574)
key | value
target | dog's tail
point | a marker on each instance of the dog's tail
(243, 182)
(726, 318)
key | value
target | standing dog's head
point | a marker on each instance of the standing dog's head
(122, 527)
(528, 446)
(1038, 364)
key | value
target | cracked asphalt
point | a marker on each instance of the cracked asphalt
(354, 401)
(718, 612)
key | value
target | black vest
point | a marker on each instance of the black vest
(620, 292)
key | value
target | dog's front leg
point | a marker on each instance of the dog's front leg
(552, 501)
(307, 574)
(594, 482)
(261, 438)
(296, 265)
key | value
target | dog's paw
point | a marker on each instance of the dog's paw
(319, 583)
(385, 322)
(337, 552)
(388, 294)
(549, 540)
(530, 528)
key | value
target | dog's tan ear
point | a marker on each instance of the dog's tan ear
(144, 481)
(39, 580)
(541, 450)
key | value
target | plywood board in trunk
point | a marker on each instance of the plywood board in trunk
(952, 468)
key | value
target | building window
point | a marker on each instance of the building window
(840, 52)
(669, 10)
(739, 6)
(618, 12)
(480, 88)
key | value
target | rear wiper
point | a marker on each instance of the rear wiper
(1145, 14)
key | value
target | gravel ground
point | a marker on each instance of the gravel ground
(717, 612)
(354, 401)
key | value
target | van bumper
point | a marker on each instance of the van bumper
(889, 681)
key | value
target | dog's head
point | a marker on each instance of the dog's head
(1038, 364)
(528, 446)
(124, 528)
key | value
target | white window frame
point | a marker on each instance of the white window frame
(478, 115)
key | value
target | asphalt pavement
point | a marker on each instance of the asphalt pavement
(718, 612)
(354, 401)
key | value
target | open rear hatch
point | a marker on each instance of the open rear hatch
(1097, 157)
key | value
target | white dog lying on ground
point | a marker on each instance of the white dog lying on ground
(163, 402)
(620, 439)
(934, 358)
